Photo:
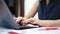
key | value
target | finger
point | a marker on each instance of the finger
(24, 22)
(18, 19)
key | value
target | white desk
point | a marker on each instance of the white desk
(30, 31)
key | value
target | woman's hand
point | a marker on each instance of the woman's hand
(34, 21)
(21, 20)
(25, 21)
(18, 19)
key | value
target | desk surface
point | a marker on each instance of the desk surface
(42, 30)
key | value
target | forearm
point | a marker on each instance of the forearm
(33, 10)
(49, 23)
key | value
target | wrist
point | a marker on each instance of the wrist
(39, 23)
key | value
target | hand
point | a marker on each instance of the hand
(25, 21)
(33, 21)
(18, 19)
(21, 20)
(30, 21)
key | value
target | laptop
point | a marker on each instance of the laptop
(6, 18)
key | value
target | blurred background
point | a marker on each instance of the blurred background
(20, 7)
